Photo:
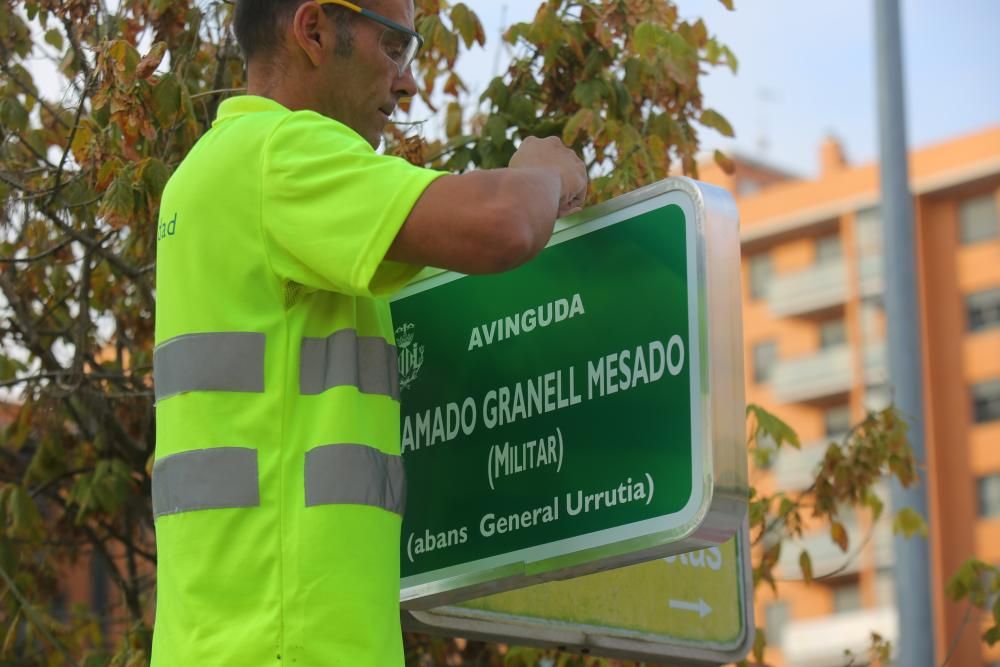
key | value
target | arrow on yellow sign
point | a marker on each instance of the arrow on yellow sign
(700, 606)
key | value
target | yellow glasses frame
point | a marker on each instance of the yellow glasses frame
(401, 57)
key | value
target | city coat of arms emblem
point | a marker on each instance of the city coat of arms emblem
(411, 355)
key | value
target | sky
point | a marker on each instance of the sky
(807, 70)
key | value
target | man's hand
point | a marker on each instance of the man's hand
(550, 153)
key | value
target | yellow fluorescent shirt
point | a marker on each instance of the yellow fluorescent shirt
(277, 485)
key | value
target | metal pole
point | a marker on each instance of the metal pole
(912, 568)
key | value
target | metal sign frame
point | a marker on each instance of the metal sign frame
(610, 642)
(719, 470)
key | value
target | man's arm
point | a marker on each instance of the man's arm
(495, 220)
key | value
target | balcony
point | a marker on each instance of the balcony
(821, 642)
(812, 290)
(820, 375)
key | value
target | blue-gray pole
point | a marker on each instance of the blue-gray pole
(912, 569)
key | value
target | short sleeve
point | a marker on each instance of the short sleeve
(331, 207)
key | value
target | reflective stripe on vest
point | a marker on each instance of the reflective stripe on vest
(218, 478)
(357, 475)
(231, 361)
(344, 358)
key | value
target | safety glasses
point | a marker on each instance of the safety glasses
(397, 42)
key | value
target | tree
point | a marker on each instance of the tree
(82, 169)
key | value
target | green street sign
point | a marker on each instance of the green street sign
(582, 412)
(688, 609)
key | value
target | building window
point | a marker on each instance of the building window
(868, 226)
(846, 597)
(832, 334)
(765, 356)
(989, 496)
(977, 219)
(986, 401)
(837, 420)
(759, 267)
(828, 249)
(983, 309)
(776, 617)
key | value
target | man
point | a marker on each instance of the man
(278, 488)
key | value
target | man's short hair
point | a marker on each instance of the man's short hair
(258, 25)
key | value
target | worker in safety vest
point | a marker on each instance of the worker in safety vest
(278, 489)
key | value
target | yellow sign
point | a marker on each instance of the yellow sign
(693, 596)
(692, 609)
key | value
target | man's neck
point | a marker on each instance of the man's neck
(285, 89)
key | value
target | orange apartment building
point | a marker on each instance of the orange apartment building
(814, 333)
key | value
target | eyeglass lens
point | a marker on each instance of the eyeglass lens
(399, 47)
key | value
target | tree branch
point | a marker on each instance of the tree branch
(88, 82)
(34, 258)
(116, 262)
(29, 611)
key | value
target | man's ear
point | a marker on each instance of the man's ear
(312, 30)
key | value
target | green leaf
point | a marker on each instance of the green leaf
(805, 564)
(96, 660)
(908, 523)
(715, 120)
(727, 165)
(125, 59)
(8, 555)
(468, 25)
(648, 37)
(497, 91)
(785, 507)
(731, 59)
(13, 114)
(154, 176)
(19, 431)
(453, 120)
(992, 636)
(55, 38)
(770, 425)
(838, 533)
(166, 98)
(875, 504)
(582, 121)
(48, 462)
(496, 130)
(589, 93)
(522, 111)
(22, 513)
(728, 4)
(119, 198)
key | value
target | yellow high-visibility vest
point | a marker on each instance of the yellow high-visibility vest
(278, 489)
